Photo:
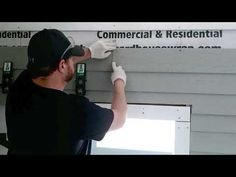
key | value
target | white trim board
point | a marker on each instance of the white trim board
(179, 114)
(94, 26)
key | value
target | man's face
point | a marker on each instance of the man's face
(70, 70)
(71, 62)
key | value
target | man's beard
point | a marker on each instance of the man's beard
(69, 75)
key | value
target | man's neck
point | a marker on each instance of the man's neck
(52, 82)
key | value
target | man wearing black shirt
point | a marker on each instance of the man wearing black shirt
(41, 118)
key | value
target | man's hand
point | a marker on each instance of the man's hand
(102, 48)
(118, 73)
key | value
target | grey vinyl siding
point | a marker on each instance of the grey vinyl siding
(203, 78)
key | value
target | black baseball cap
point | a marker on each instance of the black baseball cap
(49, 46)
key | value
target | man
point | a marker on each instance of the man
(41, 118)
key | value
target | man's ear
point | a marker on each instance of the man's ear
(61, 66)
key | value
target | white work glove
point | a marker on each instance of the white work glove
(102, 48)
(118, 73)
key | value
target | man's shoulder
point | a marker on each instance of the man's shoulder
(20, 85)
(78, 99)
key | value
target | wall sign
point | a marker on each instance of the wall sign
(164, 39)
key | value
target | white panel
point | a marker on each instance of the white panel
(142, 135)
(84, 38)
(13, 42)
(24, 41)
(83, 29)
(149, 39)
(182, 137)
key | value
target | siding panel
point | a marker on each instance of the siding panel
(166, 83)
(213, 142)
(172, 60)
(161, 82)
(201, 104)
(213, 123)
(18, 55)
(150, 60)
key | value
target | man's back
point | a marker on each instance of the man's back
(31, 115)
(48, 121)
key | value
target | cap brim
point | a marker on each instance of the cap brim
(75, 51)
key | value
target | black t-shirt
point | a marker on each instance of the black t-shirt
(48, 121)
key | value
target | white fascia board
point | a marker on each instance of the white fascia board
(95, 26)
(177, 113)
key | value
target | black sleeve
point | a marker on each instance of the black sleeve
(93, 120)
